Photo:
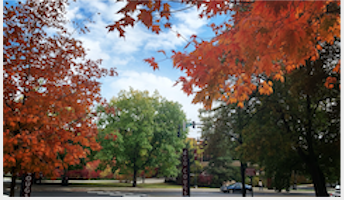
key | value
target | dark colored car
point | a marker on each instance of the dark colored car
(235, 187)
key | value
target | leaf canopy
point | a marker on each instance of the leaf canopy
(146, 128)
(269, 38)
(49, 89)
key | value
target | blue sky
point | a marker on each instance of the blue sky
(127, 54)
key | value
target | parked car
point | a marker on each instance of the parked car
(224, 188)
(336, 192)
(235, 187)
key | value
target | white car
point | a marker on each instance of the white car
(224, 188)
(336, 192)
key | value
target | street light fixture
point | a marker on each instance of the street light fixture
(186, 163)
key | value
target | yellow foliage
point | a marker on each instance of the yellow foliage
(232, 100)
(106, 172)
(289, 68)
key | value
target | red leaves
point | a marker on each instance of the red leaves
(127, 20)
(162, 51)
(113, 137)
(145, 17)
(330, 82)
(167, 25)
(166, 11)
(152, 63)
(156, 29)
(118, 27)
(336, 69)
(261, 37)
(53, 106)
(113, 72)
(130, 7)
(166, 7)
(193, 36)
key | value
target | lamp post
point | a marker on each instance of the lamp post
(195, 158)
(185, 163)
(185, 168)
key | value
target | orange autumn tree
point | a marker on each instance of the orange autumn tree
(259, 42)
(49, 89)
(268, 38)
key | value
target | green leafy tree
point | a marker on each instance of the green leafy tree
(193, 145)
(269, 146)
(295, 128)
(138, 132)
(299, 124)
(223, 132)
(221, 169)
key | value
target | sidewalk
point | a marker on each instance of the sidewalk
(139, 180)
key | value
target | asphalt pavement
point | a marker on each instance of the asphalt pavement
(52, 188)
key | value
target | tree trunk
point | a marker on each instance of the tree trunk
(318, 179)
(13, 182)
(242, 168)
(134, 178)
(311, 161)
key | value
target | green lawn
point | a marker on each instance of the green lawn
(158, 185)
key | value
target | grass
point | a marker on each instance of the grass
(158, 185)
(102, 184)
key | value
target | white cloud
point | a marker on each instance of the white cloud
(188, 23)
(138, 37)
(123, 52)
(72, 13)
(96, 51)
(134, 40)
(151, 82)
(107, 11)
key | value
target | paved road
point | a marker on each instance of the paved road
(100, 193)
(52, 189)
(84, 191)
